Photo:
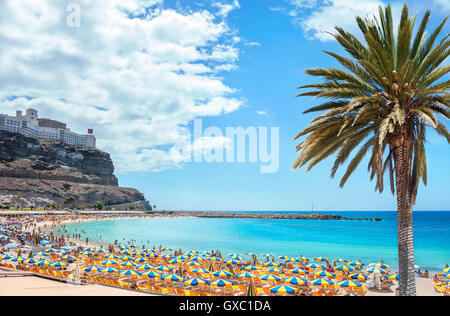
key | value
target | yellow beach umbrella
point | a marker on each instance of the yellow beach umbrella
(295, 281)
(221, 283)
(283, 289)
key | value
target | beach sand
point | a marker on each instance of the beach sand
(35, 286)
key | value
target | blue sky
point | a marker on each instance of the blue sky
(253, 54)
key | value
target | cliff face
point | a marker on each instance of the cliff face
(29, 158)
(47, 172)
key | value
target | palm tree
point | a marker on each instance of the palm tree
(391, 91)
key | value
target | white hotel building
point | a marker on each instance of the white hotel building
(31, 125)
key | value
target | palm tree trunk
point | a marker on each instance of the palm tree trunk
(405, 221)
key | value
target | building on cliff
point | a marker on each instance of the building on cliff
(31, 125)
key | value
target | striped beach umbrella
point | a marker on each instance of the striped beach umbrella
(40, 254)
(359, 277)
(283, 289)
(126, 258)
(393, 277)
(355, 264)
(299, 271)
(152, 275)
(347, 294)
(29, 261)
(84, 253)
(130, 273)
(382, 266)
(446, 270)
(237, 257)
(283, 257)
(247, 276)
(112, 256)
(314, 266)
(446, 275)
(376, 271)
(139, 260)
(59, 265)
(145, 266)
(44, 263)
(109, 263)
(172, 278)
(271, 264)
(128, 264)
(221, 274)
(232, 262)
(5, 257)
(251, 290)
(320, 259)
(110, 270)
(324, 274)
(295, 281)
(193, 264)
(92, 269)
(68, 257)
(349, 283)
(270, 278)
(152, 255)
(200, 271)
(251, 268)
(274, 269)
(221, 283)
(18, 259)
(292, 260)
(345, 269)
(164, 269)
(321, 282)
(195, 282)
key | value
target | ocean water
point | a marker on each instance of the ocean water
(351, 240)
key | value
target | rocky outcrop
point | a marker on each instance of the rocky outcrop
(36, 172)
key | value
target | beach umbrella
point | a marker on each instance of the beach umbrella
(246, 275)
(446, 270)
(213, 259)
(68, 257)
(91, 249)
(251, 290)
(321, 282)
(109, 270)
(382, 266)
(295, 281)
(5, 257)
(283, 257)
(292, 260)
(349, 283)
(172, 278)
(283, 289)
(92, 269)
(446, 275)
(44, 263)
(355, 264)
(40, 254)
(347, 294)
(251, 254)
(299, 271)
(251, 268)
(270, 264)
(152, 255)
(359, 277)
(274, 269)
(341, 260)
(109, 263)
(393, 277)
(166, 249)
(232, 262)
(164, 269)
(130, 273)
(267, 255)
(18, 259)
(193, 264)
(270, 278)
(29, 261)
(145, 266)
(198, 259)
(176, 261)
(111, 256)
(139, 260)
(221, 274)
(59, 265)
(126, 258)
(320, 259)
(376, 271)
(221, 283)
(128, 264)
(314, 266)
(236, 256)
(195, 282)
(85, 253)
(324, 274)
(152, 275)
(200, 271)
(345, 269)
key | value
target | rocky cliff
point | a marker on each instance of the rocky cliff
(48, 171)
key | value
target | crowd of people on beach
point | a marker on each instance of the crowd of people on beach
(43, 245)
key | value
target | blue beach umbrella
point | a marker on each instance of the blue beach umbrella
(283, 289)
(222, 273)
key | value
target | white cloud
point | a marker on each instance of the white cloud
(135, 71)
(263, 113)
(445, 4)
(318, 18)
(226, 8)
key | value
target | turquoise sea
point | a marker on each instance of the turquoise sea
(352, 240)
